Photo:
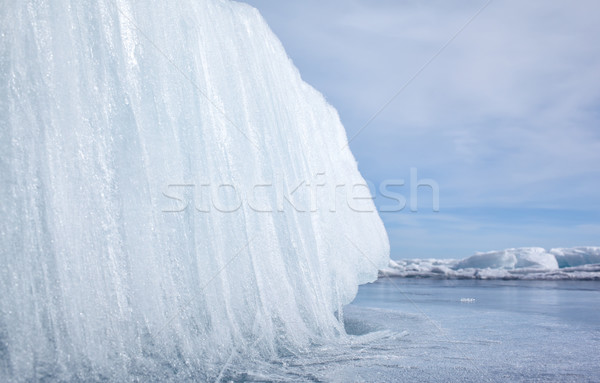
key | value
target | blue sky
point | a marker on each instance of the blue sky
(506, 119)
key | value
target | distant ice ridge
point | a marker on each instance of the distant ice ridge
(103, 105)
(579, 263)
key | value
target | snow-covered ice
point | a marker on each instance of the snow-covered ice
(580, 263)
(104, 106)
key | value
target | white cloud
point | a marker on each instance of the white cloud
(507, 115)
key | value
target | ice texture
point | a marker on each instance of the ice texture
(577, 256)
(510, 259)
(103, 105)
(580, 263)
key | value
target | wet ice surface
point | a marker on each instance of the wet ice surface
(510, 331)
(459, 330)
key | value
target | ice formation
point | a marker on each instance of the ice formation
(533, 257)
(112, 268)
(579, 263)
(577, 256)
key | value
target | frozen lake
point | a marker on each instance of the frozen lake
(456, 330)
(479, 330)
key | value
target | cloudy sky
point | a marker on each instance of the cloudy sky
(498, 103)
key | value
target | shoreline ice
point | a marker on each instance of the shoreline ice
(532, 263)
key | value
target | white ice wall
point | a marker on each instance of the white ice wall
(102, 106)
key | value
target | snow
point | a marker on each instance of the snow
(581, 263)
(109, 272)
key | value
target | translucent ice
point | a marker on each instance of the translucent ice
(114, 116)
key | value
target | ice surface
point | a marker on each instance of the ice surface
(577, 256)
(475, 331)
(105, 104)
(580, 263)
(430, 330)
(510, 259)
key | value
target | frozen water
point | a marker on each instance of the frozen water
(110, 272)
(421, 330)
(577, 256)
(510, 259)
(512, 331)
(581, 263)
